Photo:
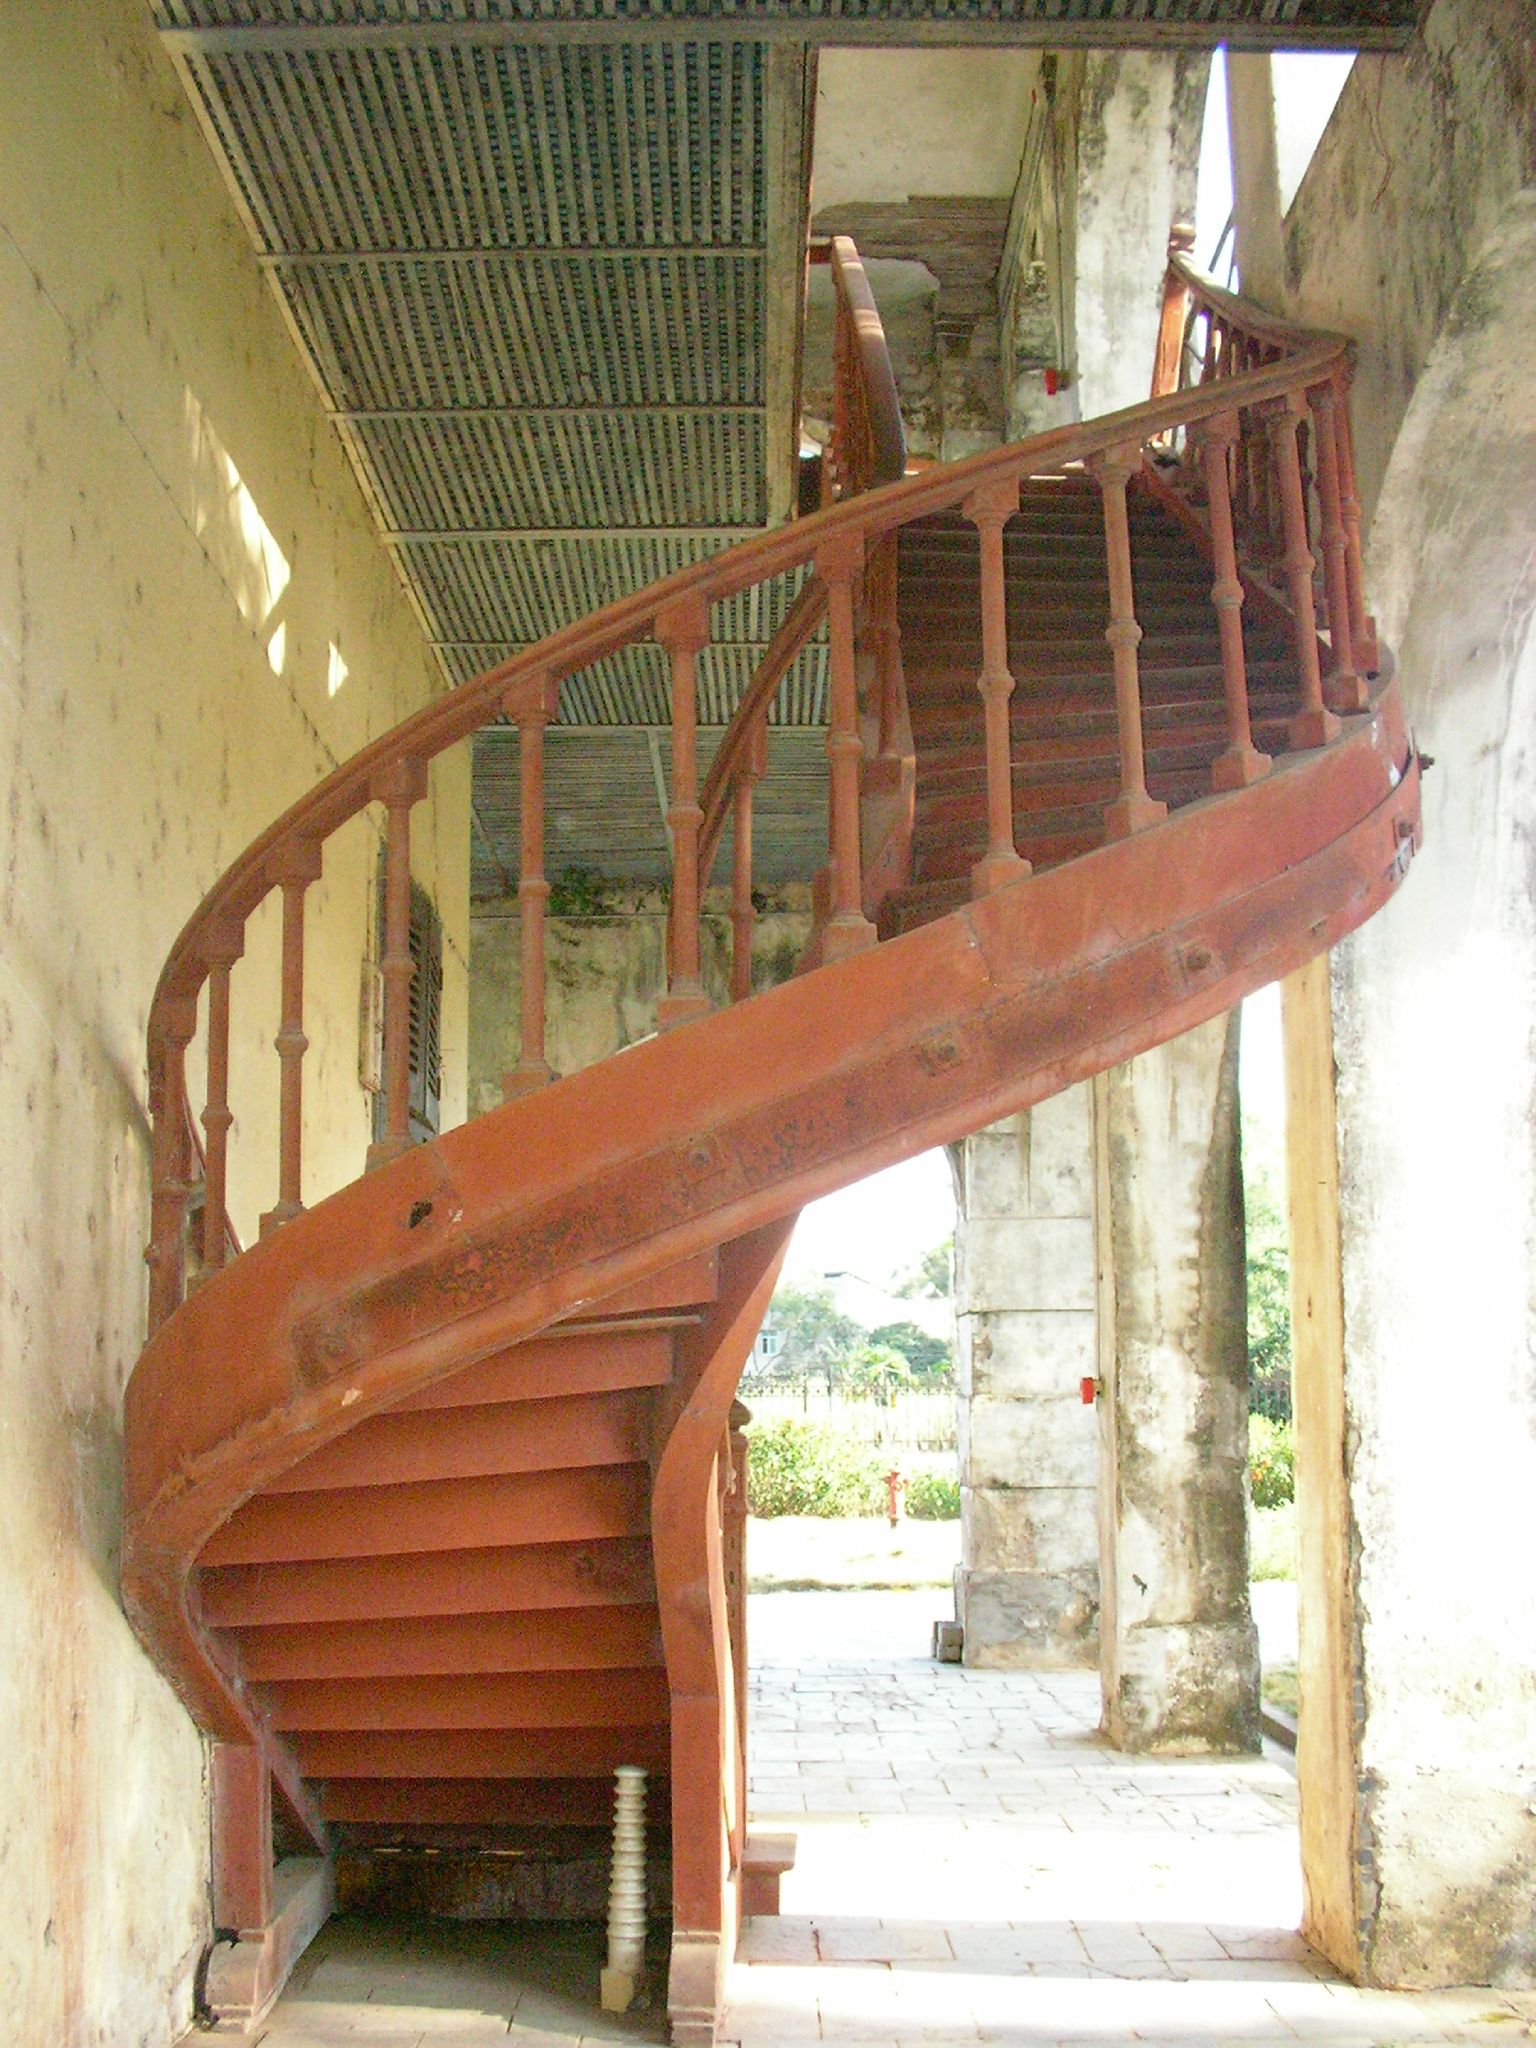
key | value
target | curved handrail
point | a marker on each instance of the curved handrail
(834, 544)
(869, 441)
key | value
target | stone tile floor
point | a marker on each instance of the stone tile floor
(975, 1866)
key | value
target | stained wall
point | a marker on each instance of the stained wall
(195, 624)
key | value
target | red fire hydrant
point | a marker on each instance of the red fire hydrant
(895, 1487)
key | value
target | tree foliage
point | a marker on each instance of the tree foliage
(929, 1357)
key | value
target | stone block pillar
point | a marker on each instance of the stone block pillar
(1180, 1654)
(1026, 1592)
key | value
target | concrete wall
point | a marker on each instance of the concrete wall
(605, 975)
(1412, 231)
(181, 546)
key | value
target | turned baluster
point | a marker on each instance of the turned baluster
(1314, 725)
(1346, 688)
(1362, 628)
(743, 914)
(884, 634)
(398, 787)
(171, 1151)
(1241, 762)
(1168, 363)
(989, 510)
(531, 705)
(734, 1560)
(297, 866)
(1133, 809)
(848, 930)
(222, 948)
(682, 628)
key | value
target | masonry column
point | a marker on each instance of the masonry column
(1027, 1590)
(1258, 228)
(1180, 1655)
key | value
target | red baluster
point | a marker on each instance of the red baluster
(848, 930)
(222, 948)
(1133, 809)
(682, 628)
(532, 705)
(298, 865)
(1241, 763)
(171, 1188)
(989, 510)
(1313, 725)
(1346, 689)
(397, 787)
(743, 913)
(1362, 627)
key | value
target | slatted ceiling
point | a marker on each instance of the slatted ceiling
(566, 469)
(567, 328)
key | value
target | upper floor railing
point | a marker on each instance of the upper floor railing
(1231, 436)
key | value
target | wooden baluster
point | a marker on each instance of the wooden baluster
(1346, 688)
(397, 787)
(743, 915)
(531, 705)
(1133, 809)
(223, 947)
(884, 634)
(848, 930)
(171, 1152)
(1167, 372)
(1314, 725)
(298, 865)
(989, 510)
(1362, 628)
(1241, 763)
(734, 1546)
(682, 628)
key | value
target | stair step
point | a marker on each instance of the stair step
(512, 1701)
(436, 1515)
(535, 1576)
(455, 1443)
(550, 1367)
(547, 1639)
(479, 1752)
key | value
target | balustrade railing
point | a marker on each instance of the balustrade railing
(1229, 431)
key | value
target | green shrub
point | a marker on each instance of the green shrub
(805, 1468)
(1271, 1462)
(933, 1497)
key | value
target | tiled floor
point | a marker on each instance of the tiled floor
(974, 1867)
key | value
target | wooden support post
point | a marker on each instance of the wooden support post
(299, 865)
(989, 510)
(1314, 725)
(734, 1549)
(171, 1188)
(398, 787)
(1346, 689)
(848, 930)
(531, 706)
(242, 1840)
(1133, 809)
(225, 944)
(1241, 762)
(682, 628)
(743, 912)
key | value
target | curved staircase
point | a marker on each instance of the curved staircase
(431, 1495)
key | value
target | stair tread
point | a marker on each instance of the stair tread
(530, 1701)
(543, 1639)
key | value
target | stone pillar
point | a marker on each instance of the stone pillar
(1180, 1654)
(1026, 1592)
(1258, 232)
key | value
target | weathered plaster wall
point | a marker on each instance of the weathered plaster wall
(605, 973)
(181, 546)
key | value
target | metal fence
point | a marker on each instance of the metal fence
(920, 1420)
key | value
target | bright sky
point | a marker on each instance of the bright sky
(880, 1227)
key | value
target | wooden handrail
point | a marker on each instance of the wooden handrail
(392, 770)
(869, 442)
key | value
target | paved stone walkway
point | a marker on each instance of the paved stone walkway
(974, 1867)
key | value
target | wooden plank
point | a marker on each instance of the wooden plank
(480, 1753)
(531, 1700)
(532, 1578)
(460, 1443)
(554, 1366)
(684, 1285)
(556, 1639)
(434, 1515)
(585, 1802)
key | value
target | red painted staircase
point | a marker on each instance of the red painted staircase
(432, 1496)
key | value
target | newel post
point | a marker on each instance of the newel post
(1133, 809)
(1314, 725)
(1241, 762)
(682, 628)
(298, 865)
(398, 787)
(1346, 687)
(989, 509)
(838, 562)
(531, 706)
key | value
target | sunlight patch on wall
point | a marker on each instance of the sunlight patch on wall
(336, 671)
(235, 537)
